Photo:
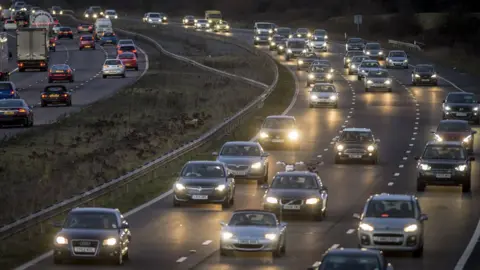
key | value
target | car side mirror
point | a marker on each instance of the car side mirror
(417, 158)
(57, 224)
(264, 186)
(356, 216)
(423, 217)
(223, 224)
(471, 158)
(283, 224)
(125, 226)
(214, 154)
(265, 154)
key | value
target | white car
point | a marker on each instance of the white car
(378, 80)
(202, 24)
(113, 67)
(153, 18)
(111, 14)
(9, 25)
(366, 66)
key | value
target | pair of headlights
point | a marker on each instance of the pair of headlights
(314, 97)
(426, 167)
(447, 108)
(386, 82)
(369, 228)
(467, 139)
(341, 147)
(60, 240)
(292, 135)
(268, 236)
(433, 76)
(379, 53)
(311, 76)
(181, 187)
(273, 200)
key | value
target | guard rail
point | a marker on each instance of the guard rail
(410, 46)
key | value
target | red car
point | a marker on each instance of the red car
(82, 28)
(60, 72)
(127, 48)
(128, 59)
(86, 42)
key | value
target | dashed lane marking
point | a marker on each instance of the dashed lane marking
(390, 184)
(206, 243)
(350, 231)
(400, 166)
(396, 174)
(182, 259)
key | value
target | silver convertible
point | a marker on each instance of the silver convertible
(253, 231)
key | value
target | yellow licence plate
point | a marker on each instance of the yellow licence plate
(54, 95)
(9, 113)
(59, 71)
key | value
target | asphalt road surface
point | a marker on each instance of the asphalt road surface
(188, 237)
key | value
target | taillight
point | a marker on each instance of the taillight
(20, 64)
(69, 32)
(65, 95)
(134, 51)
(42, 64)
(44, 96)
(69, 71)
(50, 71)
(119, 52)
(105, 66)
(12, 92)
(22, 110)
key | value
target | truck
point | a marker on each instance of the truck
(4, 57)
(32, 49)
(213, 17)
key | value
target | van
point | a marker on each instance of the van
(103, 23)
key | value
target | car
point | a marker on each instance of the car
(281, 46)
(357, 144)
(262, 38)
(354, 64)
(111, 14)
(352, 258)
(22, 18)
(423, 74)
(392, 222)
(127, 48)
(56, 10)
(274, 41)
(222, 26)
(285, 32)
(296, 193)
(203, 182)
(15, 111)
(145, 17)
(461, 105)
(9, 24)
(396, 58)
(445, 164)
(60, 72)
(322, 62)
(347, 58)
(245, 160)
(374, 50)
(92, 233)
(323, 94)
(154, 18)
(122, 42)
(457, 131)
(378, 79)
(318, 43)
(366, 66)
(264, 28)
(319, 73)
(355, 44)
(163, 17)
(129, 60)
(86, 42)
(85, 28)
(202, 24)
(94, 12)
(8, 90)
(65, 32)
(108, 38)
(303, 33)
(252, 230)
(305, 60)
(35, 9)
(98, 34)
(320, 33)
(113, 67)
(279, 130)
(295, 47)
(188, 20)
(55, 94)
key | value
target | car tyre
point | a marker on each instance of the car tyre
(80, 48)
(366, 89)
(283, 249)
(414, 83)
(123, 75)
(224, 252)
(466, 186)
(418, 252)
(176, 203)
(72, 80)
(69, 103)
(435, 84)
(421, 186)
(349, 72)
(287, 58)
(335, 106)
(278, 252)
(104, 76)
(374, 160)
(390, 90)
(50, 81)
(126, 256)
(337, 160)
(359, 78)
(227, 203)
(57, 260)
(43, 104)
(93, 48)
(405, 67)
(119, 259)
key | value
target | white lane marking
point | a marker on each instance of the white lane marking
(405, 158)
(326, 149)
(182, 259)
(408, 152)
(410, 145)
(413, 139)
(350, 231)
(400, 166)
(206, 243)
(396, 174)
(390, 184)
(469, 249)
(316, 264)
(334, 246)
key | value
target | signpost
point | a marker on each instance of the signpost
(357, 19)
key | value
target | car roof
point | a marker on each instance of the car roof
(373, 43)
(241, 143)
(387, 196)
(357, 130)
(264, 22)
(94, 209)
(296, 173)
(254, 210)
(397, 51)
(436, 143)
(280, 117)
(352, 251)
(324, 84)
(212, 162)
(453, 121)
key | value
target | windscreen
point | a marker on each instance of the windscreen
(302, 30)
(324, 89)
(87, 38)
(107, 34)
(284, 31)
(10, 21)
(126, 56)
(319, 33)
(6, 87)
(350, 262)
(265, 26)
(359, 59)
(127, 48)
(356, 136)
(373, 46)
(453, 127)
(202, 21)
(253, 219)
(203, 170)
(154, 15)
(390, 209)
(58, 68)
(378, 74)
(350, 54)
(451, 152)
(65, 29)
(95, 221)
(323, 63)
(397, 54)
(320, 69)
(55, 89)
(355, 40)
(370, 64)
(96, 9)
(9, 103)
(279, 123)
(113, 62)
(294, 182)
(424, 69)
(240, 150)
(278, 38)
(111, 12)
(319, 38)
(296, 44)
(461, 98)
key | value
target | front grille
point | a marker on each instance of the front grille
(452, 138)
(248, 246)
(291, 201)
(388, 235)
(85, 244)
(199, 190)
(426, 76)
(237, 167)
(462, 108)
(355, 151)
(387, 243)
(441, 166)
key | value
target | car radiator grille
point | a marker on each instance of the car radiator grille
(441, 166)
(85, 243)
(462, 108)
(291, 201)
(237, 167)
(355, 151)
(248, 246)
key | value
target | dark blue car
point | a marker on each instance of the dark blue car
(108, 38)
(8, 90)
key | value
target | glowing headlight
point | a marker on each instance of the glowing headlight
(61, 12)
(256, 165)
(95, 16)
(447, 108)
(369, 82)
(228, 26)
(289, 51)
(366, 227)
(311, 76)
(272, 200)
(370, 148)
(227, 235)
(150, 20)
(461, 168)
(258, 31)
(53, 12)
(208, 25)
(280, 47)
(61, 240)
(353, 66)
(467, 139)
(313, 97)
(475, 109)
(304, 51)
(164, 18)
(388, 82)
(270, 31)
(198, 25)
(185, 21)
(312, 201)
(405, 61)
(300, 62)
(326, 37)
(340, 147)
(270, 38)
(210, 21)
(195, 21)
(270, 236)
(348, 60)
(434, 75)
(179, 186)
(101, 13)
(390, 60)
(272, 43)
(425, 167)
(220, 187)
(368, 53)
(293, 135)
(299, 35)
(417, 76)
(263, 135)
(309, 35)
(329, 76)
(217, 26)
(86, 15)
(411, 228)
(438, 138)
(333, 97)
(110, 242)
(380, 53)
(257, 38)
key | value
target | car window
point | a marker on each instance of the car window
(203, 170)
(108, 35)
(374, 46)
(370, 64)
(359, 59)
(390, 209)
(352, 53)
(302, 30)
(453, 126)
(324, 88)
(215, 16)
(461, 98)
(65, 29)
(444, 152)
(309, 55)
(240, 150)
(87, 38)
(350, 262)
(126, 56)
(55, 89)
(265, 26)
(278, 38)
(320, 69)
(99, 221)
(253, 219)
(10, 21)
(7, 103)
(397, 54)
(294, 182)
(127, 48)
(322, 62)
(284, 31)
(319, 38)
(58, 67)
(378, 74)
(279, 123)
(356, 136)
(154, 15)
(6, 86)
(319, 33)
(113, 62)
(424, 69)
(355, 40)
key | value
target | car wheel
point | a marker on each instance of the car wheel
(72, 80)
(54, 49)
(126, 256)
(119, 259)
(284, 246)
(477, 121)
(43, 104)
(366, 89)
(226, 204)
(421, 186)
(104, 76)
(405, 67)
(93, 48)
(414, 83)
(359, 78)
(418, 252)
(466, 186)
(136, 68)
(176, 203)
(57, 260)
(435, 84)
(69, 104)
(444, 116)
(278, 252)
(123, 75)
(335, 106)
(80, 49)
(318, 216)
(349, 72)
(374, 160)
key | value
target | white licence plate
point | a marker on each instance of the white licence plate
(278, 141)
(200, 197)
(425, 80)
(461, 114)
(84, 249)
(387, 239)
(239, 172)
(248, 242)
(444, 175)
(355, 156)
(291, 207)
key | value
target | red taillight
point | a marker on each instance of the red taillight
(42, 64)
(70, 32)
(134, 51)
(119, 52)
(384, 215)
(22, 110)
(44, 96)
(12, 92)
(69, 71)
(65, 95)
(20, 64)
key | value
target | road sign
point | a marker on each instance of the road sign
(357, 19)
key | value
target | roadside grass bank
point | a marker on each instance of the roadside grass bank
(39, 239)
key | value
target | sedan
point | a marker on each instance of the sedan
(253, 231)
(113, 67)
(352, 258)
(279, 130)
(9, 25)
(323, 94)
(8, 90)
(60, 72)
(127, 48)
(86, 42)
(108, 38)
(55, 94)
(319, 74)
(275, 41)
(85, 28)
(203, 182)
(222, 26)
(129, 60)
(424, 75)
(65, 32)
(303, 33)
(188, 20)
(456, 131)
(347, 59)
(397, 59)
(462, 106)
(15, 112)
(366, 66)
(305, 60)
(357, 144)
(378, 80)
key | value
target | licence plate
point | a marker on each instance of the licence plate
(59, 71)
(9, 113)
(387, 239)
(248, 242)
(461, 114)
(425, 80)
(355, 156)
(84, 249)
(443, 175)
(291, 207)
(127, 64)
(87, 46)
(278, 141)
(200, 197)
(54, 95)
(239, 172)
(109, 41)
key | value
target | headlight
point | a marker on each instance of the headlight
(324, 44)
(447, 108)
(258, 31)
(53, 12)
(370, 148)
(313, 97)
(86, 15)
(411, 228)
(95, 15)
(368, 53)
(425, 167)
(220, 187)
(179, 186)
(61, 240)
(110, 242)
(352, 66)
(210, 21)
(417, 76)
(366, 227)
(150, 20)
(405, 61)
(270, 31)
(227, 235)
(348, 60)
(340, 147)
(116, 17)
(257, 38)
(263, 135)
(326, 37)
(293, 135)
(272, 200)
(329, 76)
(388, 82)
(280, 47)
(289, 51)
(434, 75)
(257, 165)
(311, 76)
(270, 236)
(164, 18)
(309, 35)
(198, 25)
(300, 62)
(467, 139)
(304, 51)
(208, 25)
(272, 43)
(331, 70)
(217, 26)
(461, 168)
(228, 26)
(390, 60)
(369, 82)
(299, 35)
(312, 201)
(333, 97)
(270, 38)
(380, 53)
(438, 138)
(475, 109)
(195, 21)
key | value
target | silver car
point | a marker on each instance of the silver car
(267, 28)
(320, 33)
(245, 160)
(154, 18)
(202, 24)
(319, 73)
(113, 67)
(295, 47)
(397, 59)
(323, 94)
(253, 231)
(462, 106)
(378, 80)
(125, 42)
(366, 66)
(355, 63)
(374, 50)
(392, 222)
(355, 44)
(347, 58)
(318, 43)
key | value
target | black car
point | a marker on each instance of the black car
(204, 182)
(456, 131)
(285, 32)
(65, 32)
(352, 258)
(15, 112)
(55, 94)
(462, 106)
(22, 18)
(275, 40)
(56, 10)
(305, 60)
(279, 130)
(92, 233)
(355, 44)
(188, 20)
(127, 48)
(444, 164)
(296, 193)
(357, 144)
(424, 75)
(303, 33)
(347, 58)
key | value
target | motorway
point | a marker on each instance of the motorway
(89, 86)
(188, 237)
